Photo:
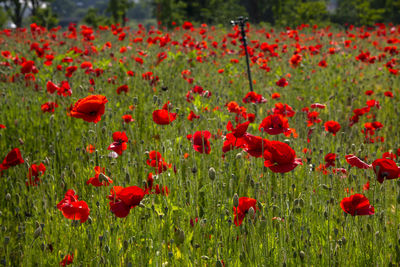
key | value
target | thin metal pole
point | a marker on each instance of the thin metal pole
(241, 21)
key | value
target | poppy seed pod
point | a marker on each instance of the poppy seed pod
(155, 98)
(8, 196)
(212, 173)
(235, 200)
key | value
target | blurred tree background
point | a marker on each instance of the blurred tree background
(50, 13)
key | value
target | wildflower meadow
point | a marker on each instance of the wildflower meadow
(134, 146)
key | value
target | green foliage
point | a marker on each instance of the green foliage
(118, 9)
(94, 19)
(169, 11)
(45, 17)
(357, 12)
(3, 17)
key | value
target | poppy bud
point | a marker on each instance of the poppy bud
(8, 196)
(211, 173)
(6, 240)
(107, 248)
(155, 98)
(179, 235)
(135, 100)
(194, 169)
(252, 213)
(104, 129)
(37, 232)
(302, 255)
(336, 231)
(235, 200)
(102, 178)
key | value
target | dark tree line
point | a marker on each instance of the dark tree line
(168, 12)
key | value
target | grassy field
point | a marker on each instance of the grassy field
(187, 212)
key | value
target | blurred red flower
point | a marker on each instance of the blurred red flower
(13, 158)
(35, 171)
(385, 169)
(332, 127)
(357, 205)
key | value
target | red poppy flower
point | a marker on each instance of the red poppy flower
(389, 155)
(245, 203)
(72, 208)
(274, 124)
(357, 205)
(192, 116)
(235, 138)
(68, 259)
(330, 160)
(35, 171)
(90, 148)
(13, 158)
(163, 116)
(313, 118)
(127, 118)
(201, 142)
(123, 88)
(280, 157)
(49, 107)
(254, 145)
(122, 200)
(187, 25)
(157, 161)
(282, 82)
(385, 169)
(356, 162)
(52, 87)
(95, 181)
(332, 127)
(90, 108)
(119, 144)
(253, 97)
(283, 109)
(275, 96)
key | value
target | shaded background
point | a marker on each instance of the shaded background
(50, 13)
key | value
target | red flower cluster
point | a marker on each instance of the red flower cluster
(157, 162)
(72, 208)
